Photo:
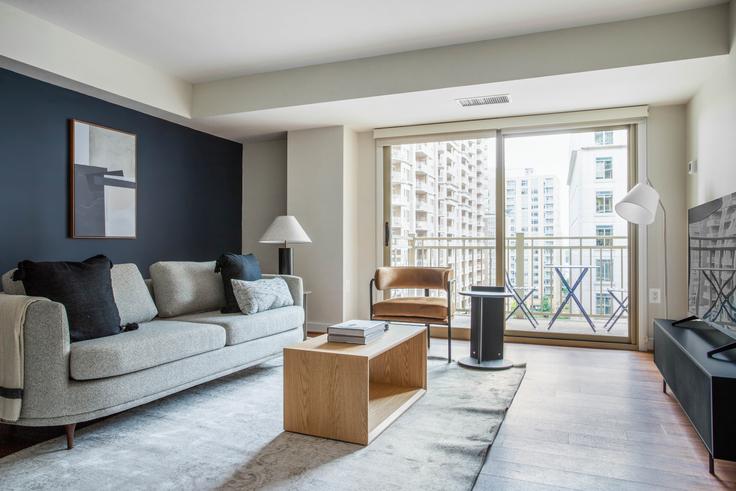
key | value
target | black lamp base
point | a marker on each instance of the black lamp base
(286, 261)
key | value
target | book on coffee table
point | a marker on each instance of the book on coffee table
(336, 338)
(357, 328)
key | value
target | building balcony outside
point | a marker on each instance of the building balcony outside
(473, 259)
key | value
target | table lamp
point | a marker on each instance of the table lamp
(285, 229)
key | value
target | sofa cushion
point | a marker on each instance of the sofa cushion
(132, 297)
(241, 328)
(236, 267)
(152, 344)
(11, 286)
(186, 287)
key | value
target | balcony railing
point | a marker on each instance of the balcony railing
(530, 263)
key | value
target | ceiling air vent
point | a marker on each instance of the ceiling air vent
(484, 100)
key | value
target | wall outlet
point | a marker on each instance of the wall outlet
(655, 295)
(692, 167)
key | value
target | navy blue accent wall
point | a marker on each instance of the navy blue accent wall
(189, 182)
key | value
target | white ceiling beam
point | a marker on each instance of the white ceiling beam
(683, 35)
(36, 47)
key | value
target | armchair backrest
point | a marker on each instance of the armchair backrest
(412, 277)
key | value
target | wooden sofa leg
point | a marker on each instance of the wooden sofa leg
(70, 435)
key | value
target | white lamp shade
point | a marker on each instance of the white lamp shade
(639, 205)
(284, 229)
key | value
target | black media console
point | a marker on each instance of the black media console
(705, 387)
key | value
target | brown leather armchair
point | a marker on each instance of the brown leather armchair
(415, 310)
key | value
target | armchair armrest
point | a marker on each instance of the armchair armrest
(296, 286)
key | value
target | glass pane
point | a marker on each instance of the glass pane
(566, 249)
(443, 210)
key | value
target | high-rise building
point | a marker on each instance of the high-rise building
(597, 179)
(532, 213)
(442, 189)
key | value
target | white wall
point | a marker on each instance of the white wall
(314, 196)
(264, 197)
(711, 119)
(366, 216)
(351, 225)
(666, 160)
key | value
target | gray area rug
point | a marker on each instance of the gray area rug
(228, 434)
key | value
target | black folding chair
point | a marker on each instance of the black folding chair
(521, 297)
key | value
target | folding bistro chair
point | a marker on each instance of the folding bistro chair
(622, 307)
(520, 297)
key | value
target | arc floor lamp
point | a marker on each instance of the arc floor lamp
(639, 206)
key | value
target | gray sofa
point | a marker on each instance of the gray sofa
(183, 340)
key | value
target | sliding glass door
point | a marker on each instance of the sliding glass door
(443, 209)
(545, 200)
(567, 253)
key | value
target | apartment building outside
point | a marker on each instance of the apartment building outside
(532, 213)
(597, 179)
(442, 189)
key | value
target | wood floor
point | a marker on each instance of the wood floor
(594, 419)
(582, 419)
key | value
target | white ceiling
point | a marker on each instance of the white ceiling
(201, 40)
(573, 92)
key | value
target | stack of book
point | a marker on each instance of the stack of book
(356, 332)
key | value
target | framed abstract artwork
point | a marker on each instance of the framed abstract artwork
(103, 187)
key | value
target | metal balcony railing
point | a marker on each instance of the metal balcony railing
(530, 262)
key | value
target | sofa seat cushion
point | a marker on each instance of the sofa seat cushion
(153, 343)
(242, 328)
(415, 307)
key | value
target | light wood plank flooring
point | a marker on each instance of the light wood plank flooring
(593, 419)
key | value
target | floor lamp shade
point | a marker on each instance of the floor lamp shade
(285, 229)
(639, 206)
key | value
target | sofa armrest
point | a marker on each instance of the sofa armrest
(46, 348)
(296, 286)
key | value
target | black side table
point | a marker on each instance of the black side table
(486, 328)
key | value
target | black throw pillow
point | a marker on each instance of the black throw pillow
(236, 267)
(85, 290)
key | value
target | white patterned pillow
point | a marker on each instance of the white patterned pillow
(260, 295)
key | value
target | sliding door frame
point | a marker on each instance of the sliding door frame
(636, 242)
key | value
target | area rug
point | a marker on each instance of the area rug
(228, 434)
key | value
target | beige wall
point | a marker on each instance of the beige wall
(366, 216)
(667, 169)
(314, 196)
(350, 224)
(264, 197)
(711, 118)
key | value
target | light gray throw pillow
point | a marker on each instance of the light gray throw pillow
(183, 287)
(134, 301)
(257, 296)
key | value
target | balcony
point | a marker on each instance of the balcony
(532, 260)
(424, 187)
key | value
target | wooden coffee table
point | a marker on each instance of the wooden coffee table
(353, 392)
